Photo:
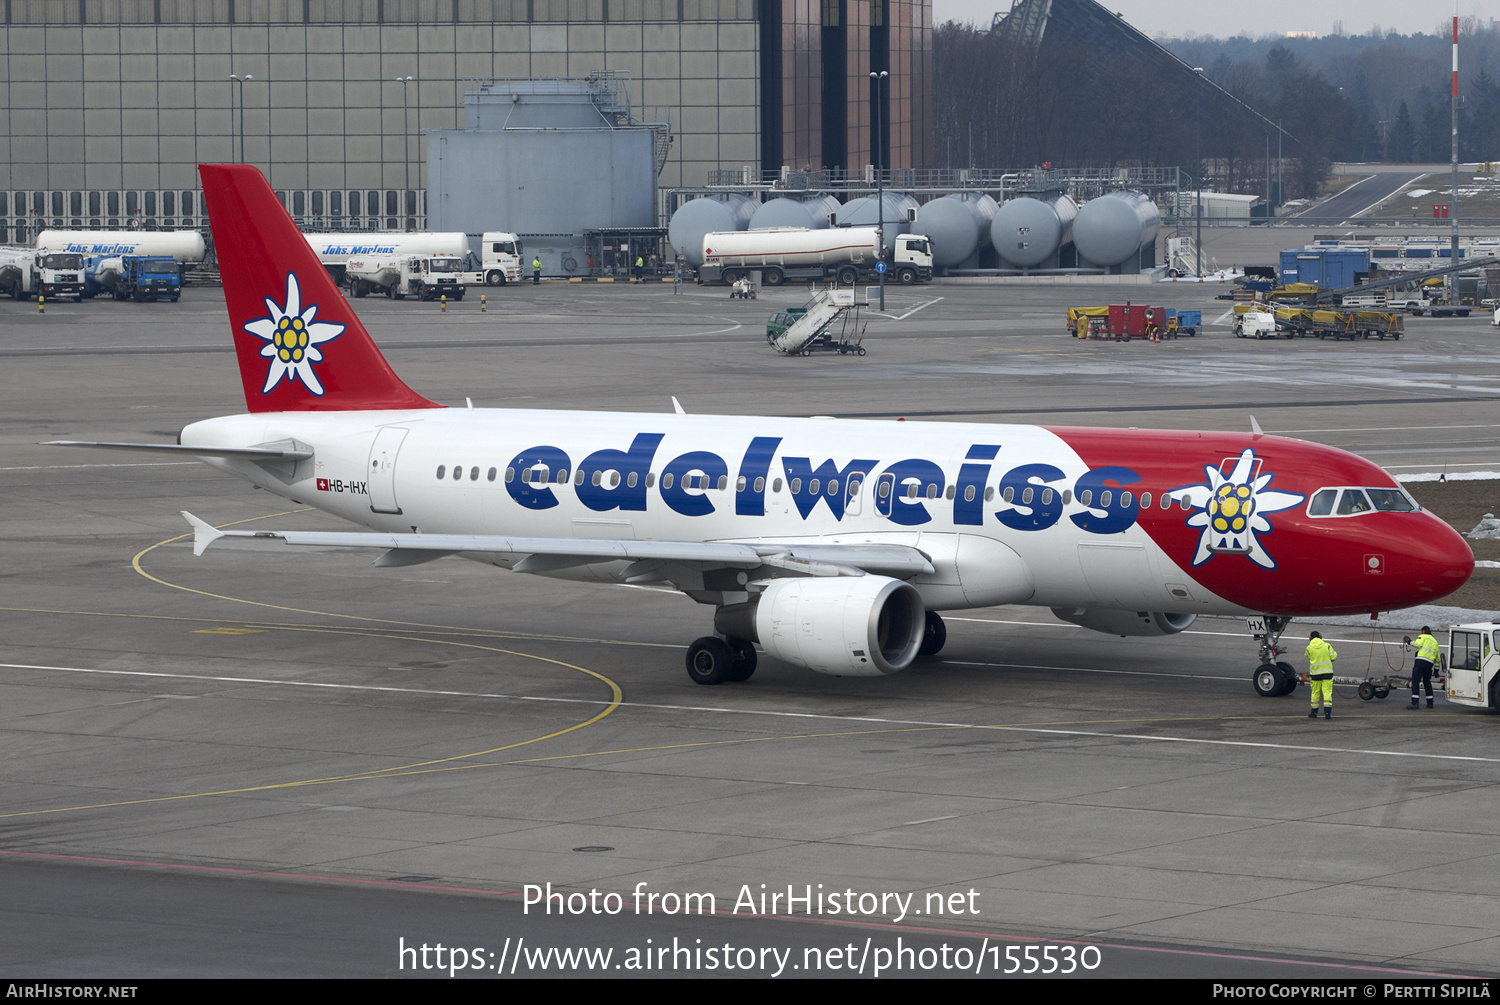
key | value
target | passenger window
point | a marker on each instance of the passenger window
(854, 486)
(989, 493)
(796, 484)
(1009, 495)
(458, 471)
(666, 480)
(1104, 498)
(1322, 502)
(492, 474)
(1046, 497)
(776, 485)
(760, 485)
(474, 474)
(1025, 496)
(1067, 496)
(812, 487)
(1126, 500)
(833, 487)
(911, 490)
(885, 489)
(562, 476)
(952, 490)
(1353, 501)
(739, 484)
(650, 479)
(968, 493)
(1086, 497)
(577, 477)
(614, 479)
(598, 477)
(932, 491)
(630, 480)
(723, 482)
(510, 475)
(442, 470)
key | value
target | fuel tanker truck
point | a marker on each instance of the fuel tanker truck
(186, 247)
(846, 254)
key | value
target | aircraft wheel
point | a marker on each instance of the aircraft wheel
(908, 277)
(934, 635)
(745, 659)
(1268, 681)
(772, 277)
(709, 661)
(848, 276)
(1288, 672)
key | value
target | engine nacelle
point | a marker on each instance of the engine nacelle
(1110, 622)
(848, 626)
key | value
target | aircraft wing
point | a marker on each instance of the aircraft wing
(546, 554)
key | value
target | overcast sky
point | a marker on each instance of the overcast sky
(1263, 17)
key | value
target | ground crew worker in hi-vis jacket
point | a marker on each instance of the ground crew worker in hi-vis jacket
(1421, 668)
(1320, 657)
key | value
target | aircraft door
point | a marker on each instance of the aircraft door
(382, 469)
(853, 493)
(884, 489)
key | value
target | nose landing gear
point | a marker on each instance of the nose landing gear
(1273, 678)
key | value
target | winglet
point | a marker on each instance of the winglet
(204, 534)
(677, 406)
(1255, 428)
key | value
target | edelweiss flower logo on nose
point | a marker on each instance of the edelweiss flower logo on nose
(1231, 511)
(292, 339)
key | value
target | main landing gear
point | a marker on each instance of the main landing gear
(712, 660)
(1273, 678)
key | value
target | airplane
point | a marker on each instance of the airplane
(832, 543)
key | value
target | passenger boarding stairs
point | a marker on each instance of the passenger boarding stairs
(822, 310)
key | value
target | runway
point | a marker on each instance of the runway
(273, 761)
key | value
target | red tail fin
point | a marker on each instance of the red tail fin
(299, 343)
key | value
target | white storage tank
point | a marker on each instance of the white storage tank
(810, 213)
(865, 212)
(1112, 229)
(957, 225)
(710, 214)
(1029, 231)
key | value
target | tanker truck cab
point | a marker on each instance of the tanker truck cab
(59, 274)
(1473, 662)
(500, 258)
(428, 278)
(911, 259)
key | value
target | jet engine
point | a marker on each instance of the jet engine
(1124, 623)
(848, 626)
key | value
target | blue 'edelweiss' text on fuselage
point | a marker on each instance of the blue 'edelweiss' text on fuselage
(903, 490)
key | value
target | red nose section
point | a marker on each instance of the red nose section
(300, 346)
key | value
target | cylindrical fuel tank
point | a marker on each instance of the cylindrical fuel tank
(865, 212)
(1111, 229)
(708, 215)
(956, 225)
(783, 213)
(1027, 231)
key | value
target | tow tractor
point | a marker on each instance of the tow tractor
(1465, 675)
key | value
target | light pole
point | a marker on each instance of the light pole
(237, 79)
(878, 79)
(405, 138)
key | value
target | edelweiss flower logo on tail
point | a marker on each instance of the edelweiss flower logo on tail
(1231, 510)
(292, 339)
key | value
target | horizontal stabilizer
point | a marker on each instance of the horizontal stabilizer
(204, 533)
(248, 453)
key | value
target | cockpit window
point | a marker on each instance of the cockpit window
(1392, 501)
(1336, 502)
(1353, 501)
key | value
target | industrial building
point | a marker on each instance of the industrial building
(109, 104)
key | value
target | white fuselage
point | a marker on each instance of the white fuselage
(721, 478)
